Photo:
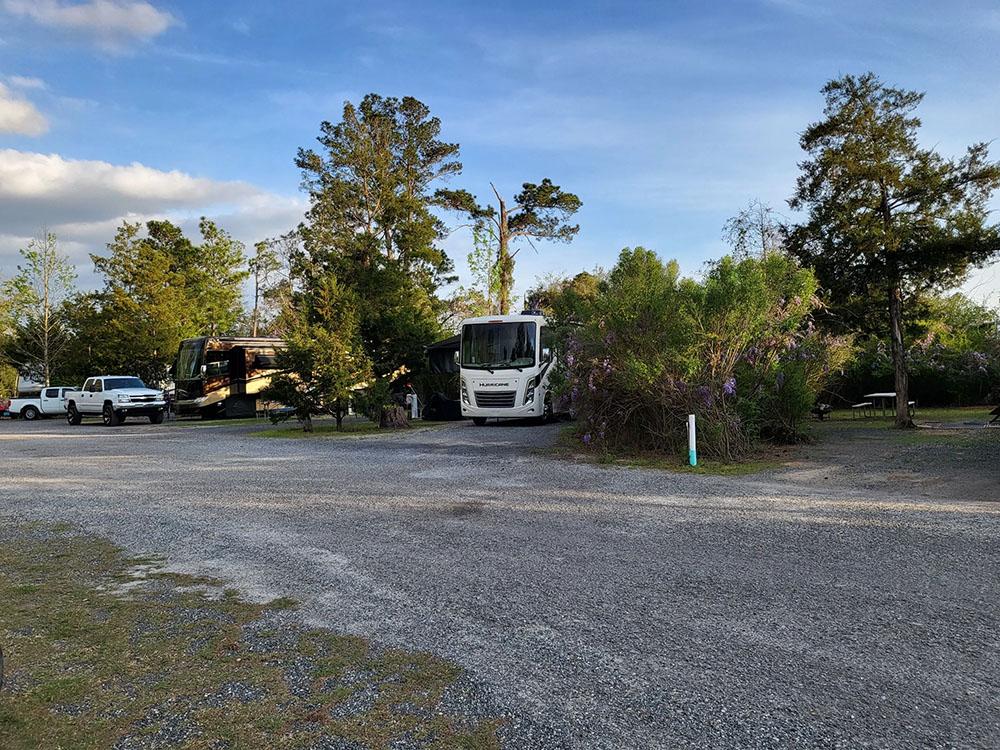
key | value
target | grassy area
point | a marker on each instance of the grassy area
(321, 428)
(196, 422)
(327, 428)
(103, 649)
(842, 423)
(946, 416)
(568, 446)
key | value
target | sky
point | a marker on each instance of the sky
(666, 118)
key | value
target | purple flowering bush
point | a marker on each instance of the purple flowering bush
(738, 349)
(953, 355)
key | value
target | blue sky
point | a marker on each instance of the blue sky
(666, 118)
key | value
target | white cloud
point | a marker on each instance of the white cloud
(19, 116)
(112, 24)
(83, 201)
(27, 82)
(37, 188)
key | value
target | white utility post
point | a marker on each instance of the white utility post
(692, 447)
(414, 405)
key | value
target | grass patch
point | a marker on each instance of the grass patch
(568, 445)
(940, 426)
(96, 653)
(949, 416)
(327, 428)
(321, 428)
(196, 422)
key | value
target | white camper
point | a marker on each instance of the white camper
(506, 363)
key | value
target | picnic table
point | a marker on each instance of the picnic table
(882, 400)
(887, 401)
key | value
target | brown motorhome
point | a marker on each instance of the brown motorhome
(218, 376)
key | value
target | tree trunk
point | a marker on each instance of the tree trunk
(256, 305)
(899, 357)
(392, 417)
(505, 263)
(307, 423)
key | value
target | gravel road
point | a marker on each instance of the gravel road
(595, 606)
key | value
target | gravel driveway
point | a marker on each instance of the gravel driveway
(594, 606)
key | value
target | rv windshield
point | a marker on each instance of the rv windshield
(497, 346)
(189, 360)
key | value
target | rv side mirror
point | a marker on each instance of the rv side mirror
(546, 354)
(204, 369)
(456, 357)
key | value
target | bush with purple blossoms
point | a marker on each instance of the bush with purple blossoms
(737, 349)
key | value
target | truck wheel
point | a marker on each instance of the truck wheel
(73, 416)
(479, 421)
(110, 416)
(156, 418)
(30, 413)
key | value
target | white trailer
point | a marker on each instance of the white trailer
(506, 362)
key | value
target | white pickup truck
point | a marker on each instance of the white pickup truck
(115, 398)
(50, 402)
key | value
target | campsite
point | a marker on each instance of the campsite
(513, 376)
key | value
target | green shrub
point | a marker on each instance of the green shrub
(737, 349)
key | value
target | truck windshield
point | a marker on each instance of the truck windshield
(111, 384)
(498, 346)
(189, 360)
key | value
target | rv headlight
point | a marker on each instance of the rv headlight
(124, 398)
(529, 392)
(465, 395)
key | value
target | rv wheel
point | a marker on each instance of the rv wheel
(548, 413)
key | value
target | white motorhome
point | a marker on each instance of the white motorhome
(506, 363)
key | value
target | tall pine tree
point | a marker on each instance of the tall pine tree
(370, 222)
(886, 218)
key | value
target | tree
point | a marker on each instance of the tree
(160, 288)
(565, 301)
(324, 361)
(885, 217)
(34, 298)
(483, 296)
(8, 374)
(264, 269)
(485, 270)
(213, 279)
(538, 212)
(754, 231)
(140, 317)
(370, 222)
